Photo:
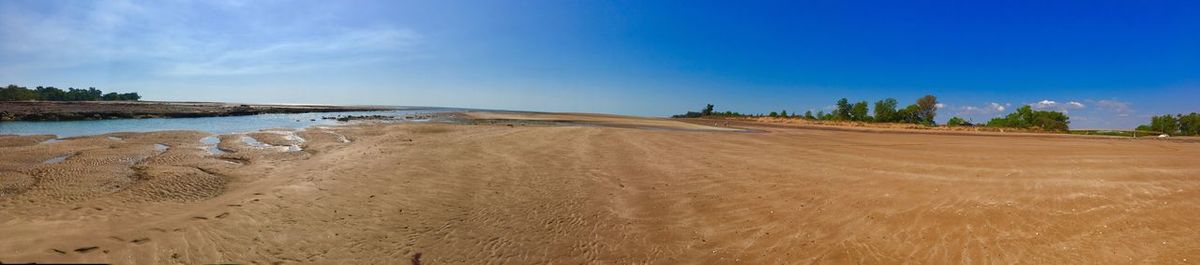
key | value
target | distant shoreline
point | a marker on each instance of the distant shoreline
(100, 110)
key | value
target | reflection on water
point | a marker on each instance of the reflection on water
(210, 144)
(160, 148)
(254, 142)
(215, 125)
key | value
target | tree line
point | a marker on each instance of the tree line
(922, 112)
(1026, 117)
(1179, 124)
(19, 93)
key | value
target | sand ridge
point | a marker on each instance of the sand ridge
(499, 194)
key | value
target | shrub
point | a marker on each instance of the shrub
(956, 121)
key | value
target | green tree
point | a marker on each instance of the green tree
(708, 110)
(1026, 117)
(928, 109)
(859, 112)
(956, 121)
(821, 115)
(909, 114)
(843, 110)
(17, 93)
(773, 114)
(1144, 127)
(1189, 124)
(808, 115)
(1166, 124)
(133, 96)
(885, 110)
(783, 114)
(51, 93)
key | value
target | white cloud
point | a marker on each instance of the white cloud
(997, 107)
(1044, 104)
(940, 105)
(1047, 104)
(987, 109)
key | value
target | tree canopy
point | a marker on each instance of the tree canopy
(1026, 117)
(19, 93)
(885, 110)
(1179, 124)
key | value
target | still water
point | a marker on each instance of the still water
(215, 125)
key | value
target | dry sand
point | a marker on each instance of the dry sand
(615, 190)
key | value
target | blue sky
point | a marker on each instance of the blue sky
(1109, 64)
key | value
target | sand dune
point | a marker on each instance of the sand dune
(598, 189)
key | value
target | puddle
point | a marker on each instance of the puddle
(115, 138)
(160, 148)
(57, 159)
(253, 142)
(288, 135)
(55, 140)
(210, 144)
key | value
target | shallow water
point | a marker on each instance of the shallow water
(254, 142)
(160, 148)
(57, 159)
(214, 125)
(210, 144)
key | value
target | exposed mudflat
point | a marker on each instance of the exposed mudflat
(520, 188)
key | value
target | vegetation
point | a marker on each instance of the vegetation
(1124, 133)
(922, 112)
(1026, 117)
(843, 110)
(858, 112)
(956, 121)
(885, 110)
(1179, 124)
(18, 93)
(926, 109)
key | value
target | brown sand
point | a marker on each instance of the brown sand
(611, 192)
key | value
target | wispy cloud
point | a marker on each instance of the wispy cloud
(991, 108)
(336, 50)
(170, 39)
(1113, 105)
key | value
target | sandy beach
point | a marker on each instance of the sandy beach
(524, 188)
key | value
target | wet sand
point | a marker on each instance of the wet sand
(598, 189)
